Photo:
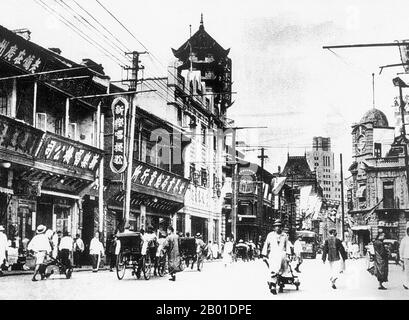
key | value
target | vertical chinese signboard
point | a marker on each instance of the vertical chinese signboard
(118, 162)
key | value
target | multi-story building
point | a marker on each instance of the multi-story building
(321, 160)
(49, 138)
(253, 220)
(379, 190)
(198, 96)
(302, 185)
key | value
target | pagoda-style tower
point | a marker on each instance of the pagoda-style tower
(202, 52)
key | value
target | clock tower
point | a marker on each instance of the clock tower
(371, 138)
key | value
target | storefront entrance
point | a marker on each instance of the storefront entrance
(199, 225)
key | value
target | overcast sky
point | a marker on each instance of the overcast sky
(282, 76)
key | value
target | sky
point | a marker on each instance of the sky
(282, 76)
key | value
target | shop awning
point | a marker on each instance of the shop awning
(359, 228)
(360, 193)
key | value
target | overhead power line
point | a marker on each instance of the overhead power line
(78, 31)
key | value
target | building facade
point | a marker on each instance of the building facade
(379, 195)
(321, 160)
(50, 151)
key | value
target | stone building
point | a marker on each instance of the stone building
(379, 195)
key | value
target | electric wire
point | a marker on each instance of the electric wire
(77, 31)
(83, 21)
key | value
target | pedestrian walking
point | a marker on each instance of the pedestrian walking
(111, 251)
(3, 249)
(65, 249)
(298, 253)
(171, 245)
(209, 251)
(78, 250)
(335, 252)
(228, 252)
(40, 245)
(200, 251)
(381, 268)
(215, 250)
(404, 256)
(96, 251)
(275, 251)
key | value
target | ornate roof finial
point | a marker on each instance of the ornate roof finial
(201, 21)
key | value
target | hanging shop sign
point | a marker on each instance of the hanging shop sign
(19, 52)
(19, 137)
(118, 162)
(247, 181)
(158, 179)
(63, 151)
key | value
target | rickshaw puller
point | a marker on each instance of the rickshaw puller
(275, 251)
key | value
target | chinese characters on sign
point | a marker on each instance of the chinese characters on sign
(118, 162)
(19, 137)
(18, 54)
(158, 179)
(57, 150)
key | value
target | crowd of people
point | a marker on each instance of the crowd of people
(276, 251)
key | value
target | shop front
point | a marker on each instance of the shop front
(156, 197)
(47, 176)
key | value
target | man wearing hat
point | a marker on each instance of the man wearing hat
(3, 248)
(275, 250)
(40, 244)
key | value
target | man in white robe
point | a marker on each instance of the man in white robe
(275, 251)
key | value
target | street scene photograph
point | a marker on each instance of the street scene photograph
(204, 150)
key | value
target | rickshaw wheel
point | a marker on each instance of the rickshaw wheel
(147, 269)
(182, 264)
(120, 267)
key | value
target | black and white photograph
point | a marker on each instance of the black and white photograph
(212, 150)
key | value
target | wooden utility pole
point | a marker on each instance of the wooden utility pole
(132, 87)
(235, 188)
(261, 191)
(342, 200)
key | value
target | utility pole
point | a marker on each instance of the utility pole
(132, 87)
(342, 200)
(261, 193)
(235, 188)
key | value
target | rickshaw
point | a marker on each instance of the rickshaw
(309, 243)
(130, 256)
(242, 251)
(188, 253)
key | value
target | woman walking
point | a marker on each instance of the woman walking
(381, 261)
